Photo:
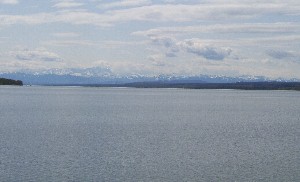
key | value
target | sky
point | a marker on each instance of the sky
(152, 37)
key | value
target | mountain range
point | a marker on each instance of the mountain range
(73, 78)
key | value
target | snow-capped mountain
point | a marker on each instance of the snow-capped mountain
(99, 75)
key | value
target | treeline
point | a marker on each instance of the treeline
(4, 81)
(238, 85)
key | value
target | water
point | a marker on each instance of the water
(123, 134)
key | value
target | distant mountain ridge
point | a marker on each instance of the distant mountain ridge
(71, 79)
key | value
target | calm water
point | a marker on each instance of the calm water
(121, 134)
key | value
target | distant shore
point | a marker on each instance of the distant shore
(237, 86)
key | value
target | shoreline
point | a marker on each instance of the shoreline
(214, 86)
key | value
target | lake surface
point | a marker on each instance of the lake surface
(126, 134)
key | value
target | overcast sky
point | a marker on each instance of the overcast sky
(152, 37)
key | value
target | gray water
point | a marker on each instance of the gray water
(123, 134)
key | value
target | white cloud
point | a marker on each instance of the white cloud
(285, 27)
(39, 54)
(33, 19)
(278, 54)
(194, 46)
(66, 35)
(67, 4)
(9, 2)
(164, 41)
(185, 35)
(66, 43)
(157, 13)
(185, 13)
(207, 51)
(221, 39)
(125, 4)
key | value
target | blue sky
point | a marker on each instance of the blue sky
(152, 37)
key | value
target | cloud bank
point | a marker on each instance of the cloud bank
(35, 55)
(186, 37)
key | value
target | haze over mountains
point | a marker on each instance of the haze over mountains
(98, 76)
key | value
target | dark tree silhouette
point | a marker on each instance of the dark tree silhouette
(4, 81)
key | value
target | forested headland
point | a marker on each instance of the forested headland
(4, 81)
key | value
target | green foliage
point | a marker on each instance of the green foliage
(4, 81)
(238, 85)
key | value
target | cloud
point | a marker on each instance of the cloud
(221, 39)
(165, 41)
(66, 43)
(125, 4)
(171, 54)
(193, 46)
(35, 55)
(254, 28)
(169, 43)
(180, 35)
(278, 54)
(67, 4)
(158, 13)
(66, 35)
(198, 12)
(103, 44)
(211, 53)
(9, 2)
(33, 19)
(157, 60)
(206, 51)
